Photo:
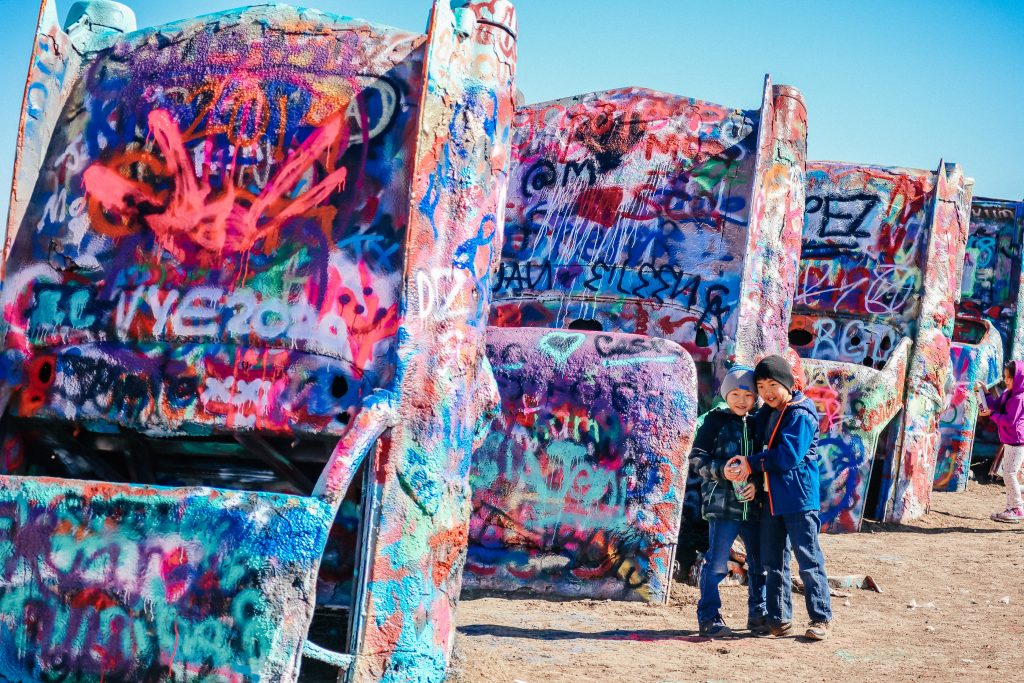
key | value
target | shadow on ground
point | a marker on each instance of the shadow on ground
(881, 527)
(648, 635)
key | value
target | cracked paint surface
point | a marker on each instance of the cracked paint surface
(578, 487)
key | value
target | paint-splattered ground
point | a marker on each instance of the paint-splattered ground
(952, 609)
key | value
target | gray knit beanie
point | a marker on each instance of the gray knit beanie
(738, 377)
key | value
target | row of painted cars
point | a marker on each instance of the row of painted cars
(635, 211)
(304, 315)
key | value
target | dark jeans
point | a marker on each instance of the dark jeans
(800, 529)
(721, 534)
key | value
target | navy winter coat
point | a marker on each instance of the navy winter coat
(722, 435)
(790, 459)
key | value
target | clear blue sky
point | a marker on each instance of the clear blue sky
(894, 82)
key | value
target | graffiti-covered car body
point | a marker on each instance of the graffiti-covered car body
(992, 269)
(855, 404)
(991, 294)
(638, 222)
(578, 487)
(241, 248)
(879, 275)
(976, 354)
(646, 213)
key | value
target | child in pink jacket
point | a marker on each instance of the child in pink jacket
(1007, 411)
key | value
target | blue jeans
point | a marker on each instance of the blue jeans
(799, 529)
(721, 534)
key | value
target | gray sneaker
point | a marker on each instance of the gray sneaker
(819, 630)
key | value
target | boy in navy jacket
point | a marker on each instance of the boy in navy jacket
(788, 426)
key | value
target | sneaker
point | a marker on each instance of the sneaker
(715, 628)
(758, 626)
(779, 630)
(1011, 516)
(819, 630)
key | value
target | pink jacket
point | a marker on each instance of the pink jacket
(1008, 409)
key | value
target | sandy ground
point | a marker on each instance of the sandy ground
(952, 608)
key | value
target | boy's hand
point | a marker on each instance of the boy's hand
(731, 471)
(737, 469)
(983, 411)
(748, 492)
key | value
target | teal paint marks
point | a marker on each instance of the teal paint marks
(611, 363)
(219, 580)
(578, 487)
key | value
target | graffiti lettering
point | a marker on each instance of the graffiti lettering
(607, 224)
(838, 217)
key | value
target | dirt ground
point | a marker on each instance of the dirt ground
(952, 608)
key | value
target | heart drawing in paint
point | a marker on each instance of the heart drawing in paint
(560, 345)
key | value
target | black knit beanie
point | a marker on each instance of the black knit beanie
(776, 368)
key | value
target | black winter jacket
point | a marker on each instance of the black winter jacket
(723, 435)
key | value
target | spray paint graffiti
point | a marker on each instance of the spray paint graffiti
(992, 289)
(414, 564)
(880, 265)
(118, 582)
(861, 257)
(854, 404)
(150, 599)
(577, 490)
(198, 200)
(991, 281)
(930, 363)
(777, 219)
(628, 208)
(977, 356)
(633, 211)
(54, 66)
(630, 211)
(232, 234)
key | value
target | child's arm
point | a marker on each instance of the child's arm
(790, 448)
(990, 402)
(701, 459)
(1010, 414)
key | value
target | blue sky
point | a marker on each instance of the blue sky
(896, 82)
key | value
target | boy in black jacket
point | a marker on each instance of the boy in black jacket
(730, 509)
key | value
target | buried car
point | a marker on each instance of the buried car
(244, 297)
